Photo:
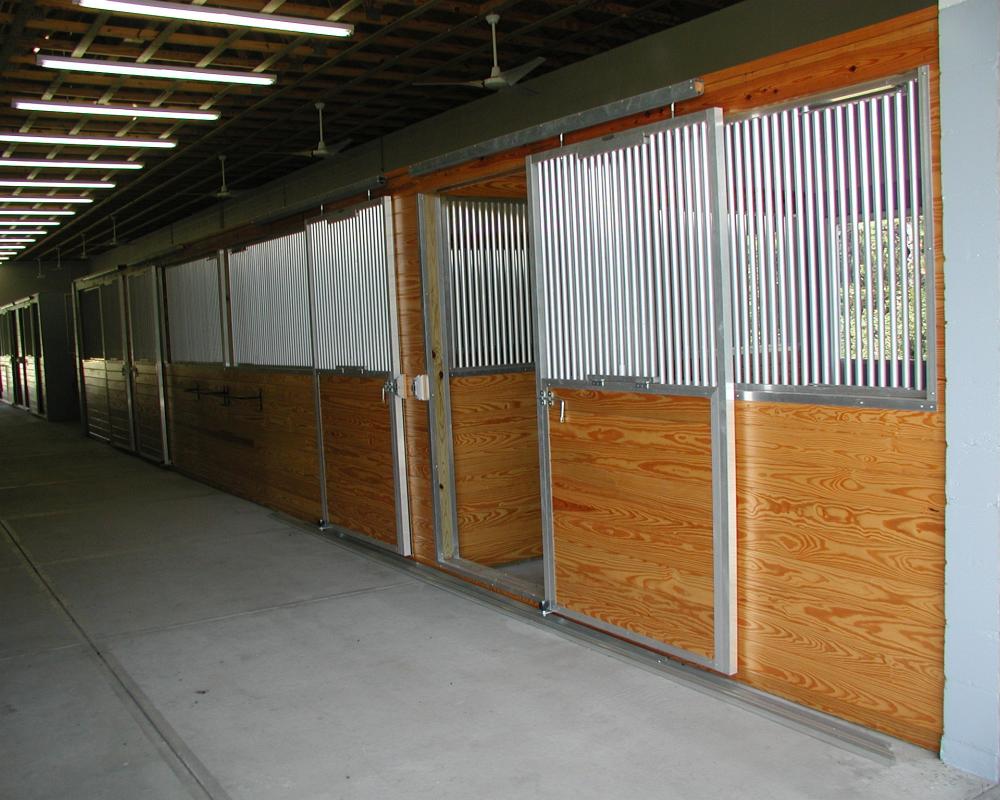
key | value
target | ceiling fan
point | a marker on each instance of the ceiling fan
(498, 79)
(223, 192)
(322, 149)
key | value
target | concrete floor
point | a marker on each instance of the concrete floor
(159, 639)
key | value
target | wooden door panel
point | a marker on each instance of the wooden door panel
(357, 435)
(95, 387)
(495, 443)
(146, 406)
(118, 413)
(632, 513)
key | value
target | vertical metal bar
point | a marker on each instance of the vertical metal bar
(768, 256)
(879, 300)
(845, 265)
(778, 166)
(658, 200)
(832, 310)
(820, 254)
(741, 297)
(702, 202)
(723, 428)
(815, 333)
(311, 231)
(673, 216)
(921, 91)
(863, 144)
(757, 329)
(687, 253)
(920, 318)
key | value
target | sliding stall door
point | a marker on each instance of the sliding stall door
(33, 366)
(143, 351)
(23, 330)
(635, 387)
(93, 371)
(353, 281)
(6, 358)
(491, 378)
(116, 365)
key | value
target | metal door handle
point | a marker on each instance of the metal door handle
(562, 410)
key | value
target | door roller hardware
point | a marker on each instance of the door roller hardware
(421, 388)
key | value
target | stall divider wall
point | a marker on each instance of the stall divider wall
(839, 561)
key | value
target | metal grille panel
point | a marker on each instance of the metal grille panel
(142, 315)
(349, 258)
(627, 260)
(832, 264)
(269, 298)
(111, 319)
(194, 315)
(489, 282)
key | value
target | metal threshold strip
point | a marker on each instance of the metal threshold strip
(826, 728)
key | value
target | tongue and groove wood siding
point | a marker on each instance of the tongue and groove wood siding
(267, 456)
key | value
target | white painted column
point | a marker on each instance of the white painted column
(970, 170)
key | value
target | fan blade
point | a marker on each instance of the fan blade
(512, 76)
(476, 84)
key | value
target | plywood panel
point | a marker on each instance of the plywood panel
(268, 456)
(357, 441)
(841, 574)
(495, 441)
(146, 406)
(95, 387)
(632, 512)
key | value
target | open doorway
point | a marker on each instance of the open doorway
(486, 409)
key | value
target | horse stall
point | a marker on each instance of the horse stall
(736, 368)
(119, 361)
(670, 371)
(36, 363)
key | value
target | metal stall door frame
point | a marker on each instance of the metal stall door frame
(22, 396)
(572, 296)
(153, 304)
(38, 355)
(446, 357)
(326, 338)
(118, 280)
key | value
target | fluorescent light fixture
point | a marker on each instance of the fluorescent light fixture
(97, 109)
(18, 240)
(156, 70)
(20, 212)
(86, 141)
(12, 248)
(7, 223)
(53, 163)
(220, 16)
(28, 183)
(26, 198)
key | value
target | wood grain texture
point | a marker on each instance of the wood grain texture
(495, 442)
(146, 408)
(357, 442)
(95, 387)
(267, 456)
(841, 568)
(632, 511)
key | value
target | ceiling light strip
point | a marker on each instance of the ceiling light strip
(86, 141)
(29, 183)
(7, 223)
(19, 212)
(221, 16)
(19, 240)
(156, 70)
(98, 109)
(51, 199)
(54, 163)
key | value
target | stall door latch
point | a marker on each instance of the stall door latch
(548, 399)
(390, 387)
